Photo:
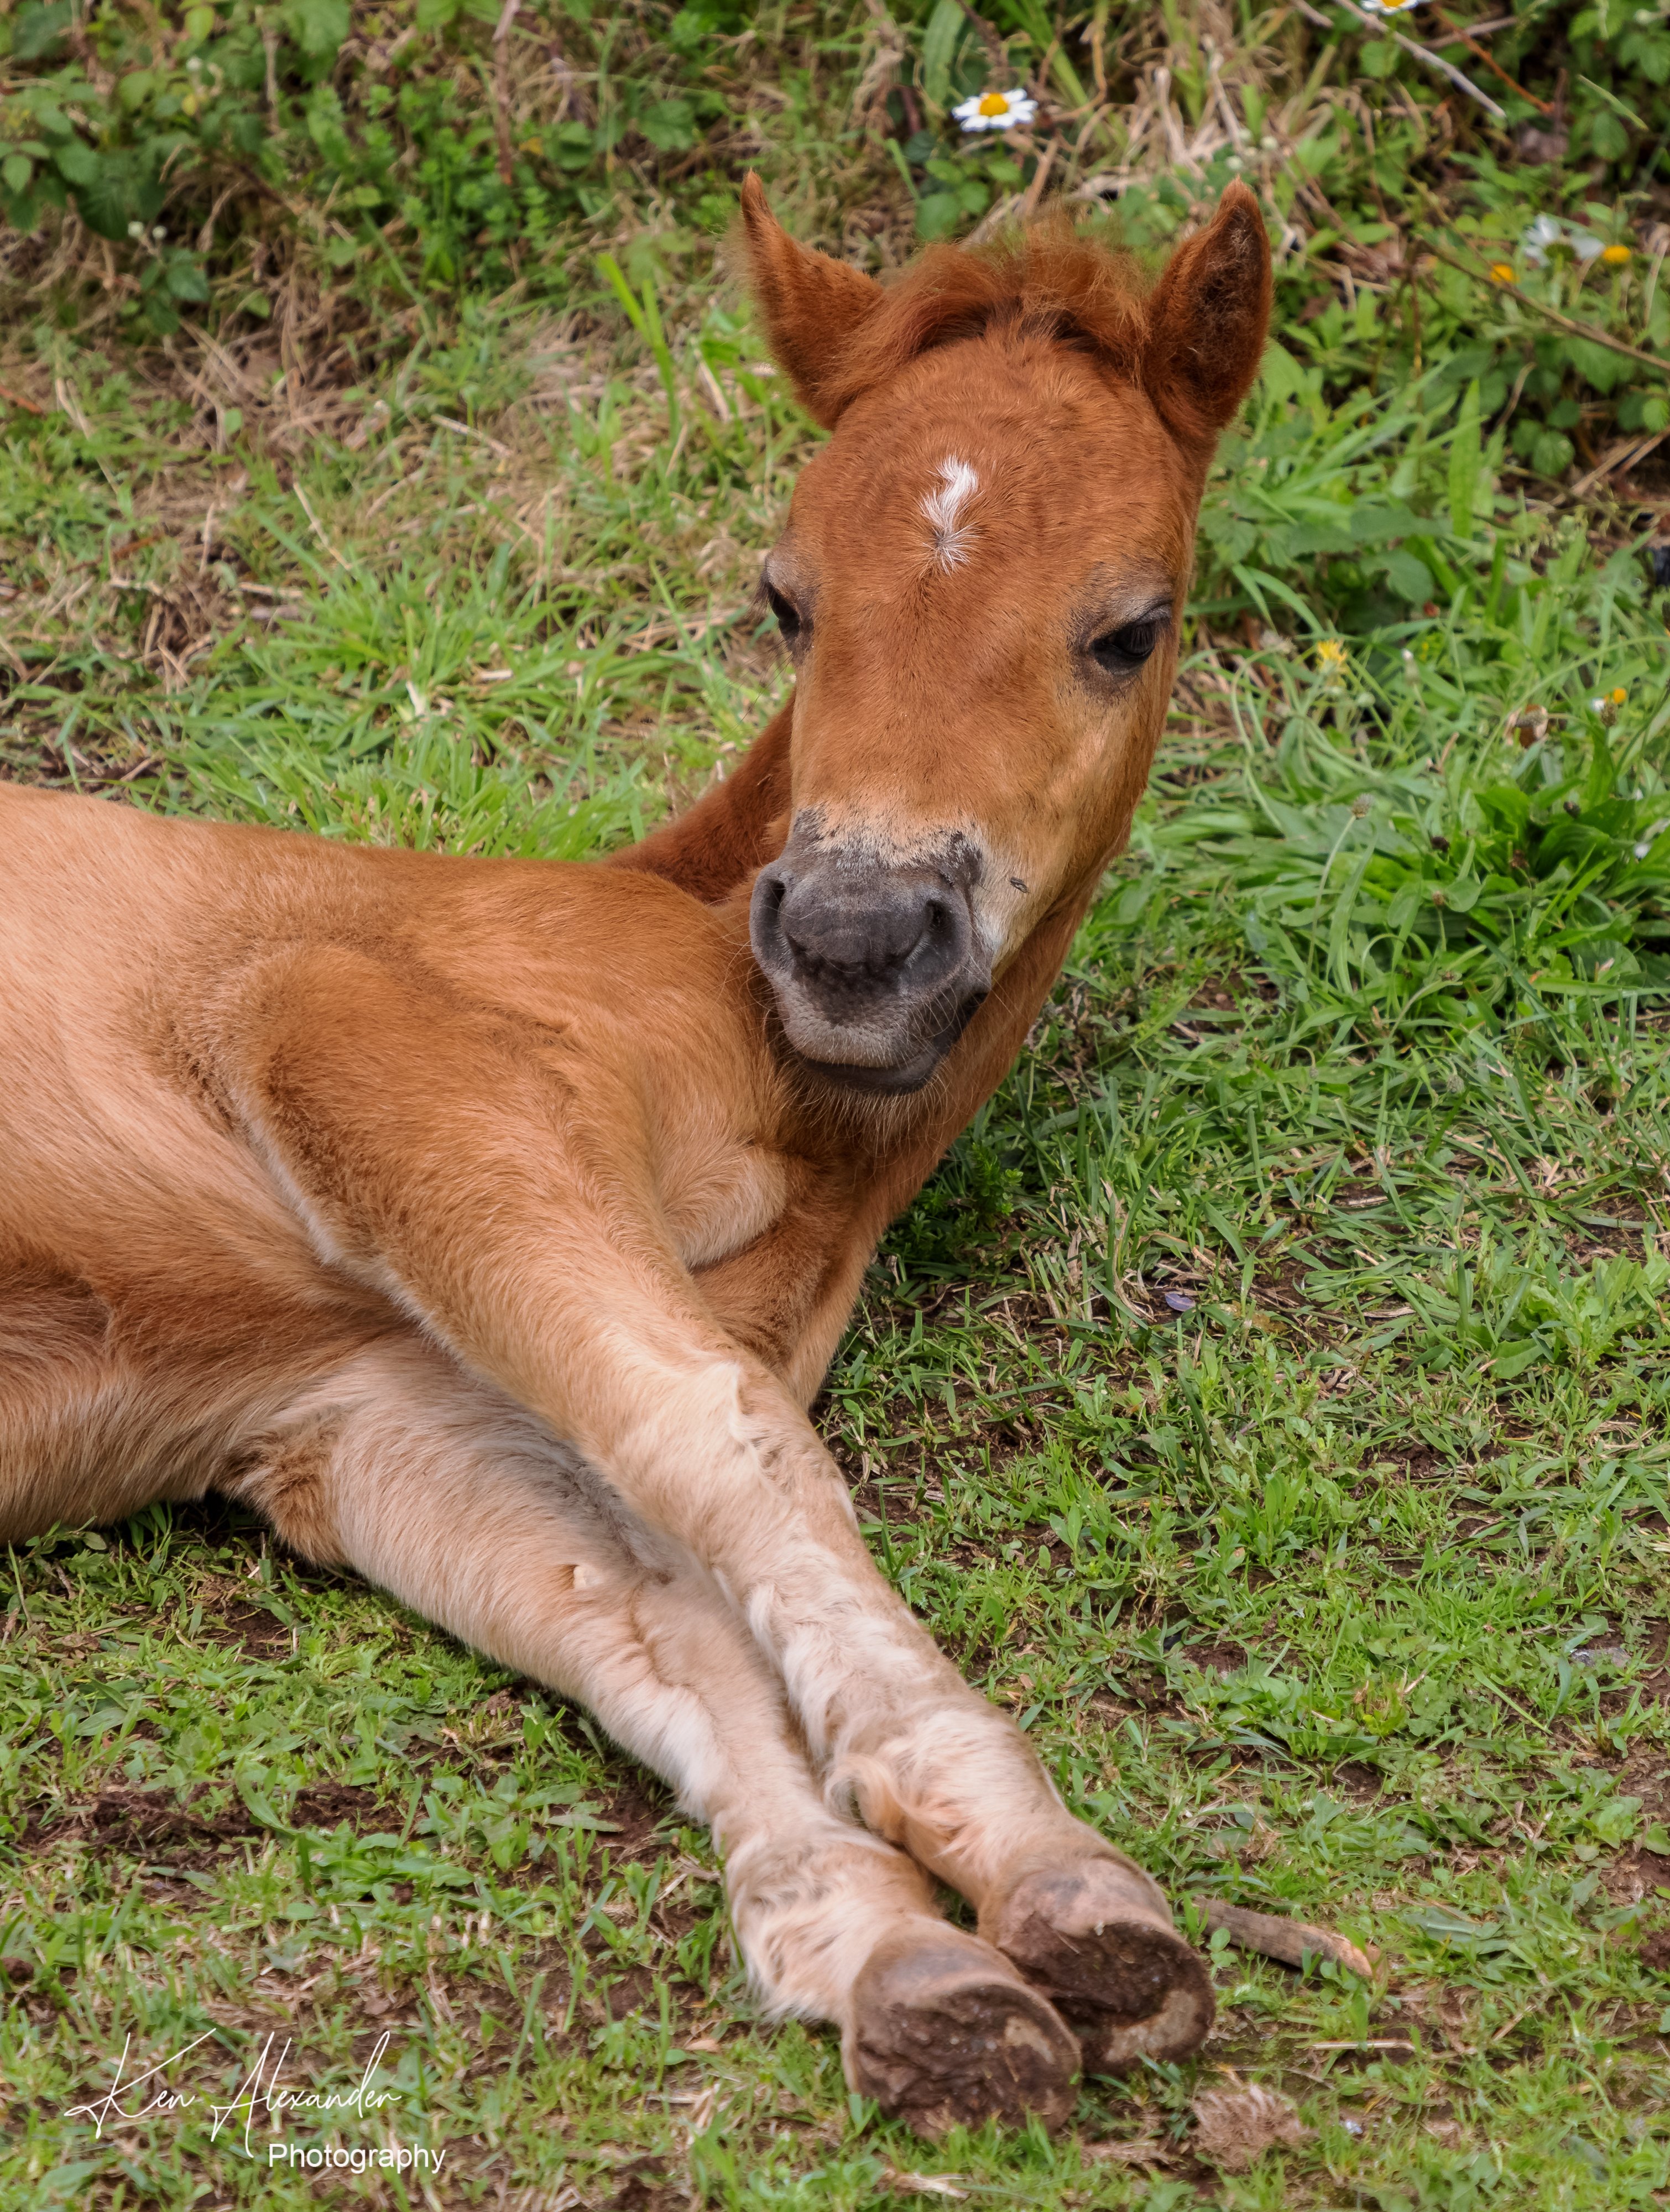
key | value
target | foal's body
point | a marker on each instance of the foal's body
(488, 1226)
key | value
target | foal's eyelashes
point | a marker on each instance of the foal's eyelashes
(1126, 647)
(785, 613)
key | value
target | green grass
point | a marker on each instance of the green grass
(1267, 1400)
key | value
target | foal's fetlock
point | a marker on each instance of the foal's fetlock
(943, 2031)
(1097, 1935)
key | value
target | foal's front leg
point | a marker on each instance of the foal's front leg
(513, 1211)
(442, 1490)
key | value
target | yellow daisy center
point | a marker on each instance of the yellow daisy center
(1616, 256)
(993, 104)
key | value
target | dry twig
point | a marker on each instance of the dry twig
(1288, 1941)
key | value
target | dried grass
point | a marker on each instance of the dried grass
(1234, 2128)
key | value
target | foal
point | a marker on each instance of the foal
(488, 1226)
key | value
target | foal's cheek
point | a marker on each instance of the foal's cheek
(1118, 750)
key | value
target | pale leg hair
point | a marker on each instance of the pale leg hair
(441, 1490)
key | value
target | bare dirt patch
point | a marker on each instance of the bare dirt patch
(230, 1617)
(1635, 1873)
(332, 1804)
(123, 1820)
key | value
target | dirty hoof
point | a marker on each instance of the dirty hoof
(1096, 1937)
(945, 2032)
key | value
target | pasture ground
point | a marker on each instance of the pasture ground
(1267, 1400)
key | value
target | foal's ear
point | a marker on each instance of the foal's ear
(1208, 319)
(811, 305)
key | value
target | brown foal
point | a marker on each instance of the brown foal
(489, 1225)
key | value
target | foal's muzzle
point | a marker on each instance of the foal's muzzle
(875, 965)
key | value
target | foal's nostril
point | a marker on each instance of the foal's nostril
(888, 935)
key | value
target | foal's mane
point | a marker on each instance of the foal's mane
(1191, 338)
(1049, 282)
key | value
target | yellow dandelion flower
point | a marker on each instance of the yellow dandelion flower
(1620, 695)
(1615, 256)
(1331, 653)
(1502, 272)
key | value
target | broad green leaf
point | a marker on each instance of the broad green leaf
(1379, 525)
(1551, 454)
(1517, 1358)
(39, 29)
(319, 27)
(185, 280)
(77, 163)
(1615, 1820)
(1281, 375)
(106, 203)
(1409, 578)
(938, 214)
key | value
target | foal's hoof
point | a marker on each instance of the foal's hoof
(945, 2032)
(1096, 1936)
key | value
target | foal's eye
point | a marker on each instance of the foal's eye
(1118, 651)
(785, 613)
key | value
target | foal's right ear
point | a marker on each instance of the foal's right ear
(809, 304)
(1208, 319)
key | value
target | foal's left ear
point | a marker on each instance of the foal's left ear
(1208, 319)
(811, 305)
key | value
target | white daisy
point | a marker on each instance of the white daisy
(995, 111)
(1548, 231)
(1389, 7)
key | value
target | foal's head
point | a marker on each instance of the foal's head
(980, 585)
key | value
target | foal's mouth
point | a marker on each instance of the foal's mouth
(895, 1078)
(875, 965)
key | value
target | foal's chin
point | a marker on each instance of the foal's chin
(909, 1067)
(899, 1081)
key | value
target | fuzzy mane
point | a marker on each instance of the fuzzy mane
(1191, 338)
(1048, 282)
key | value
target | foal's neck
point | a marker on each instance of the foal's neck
(715, 846)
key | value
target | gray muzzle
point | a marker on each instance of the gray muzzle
(875, 965)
